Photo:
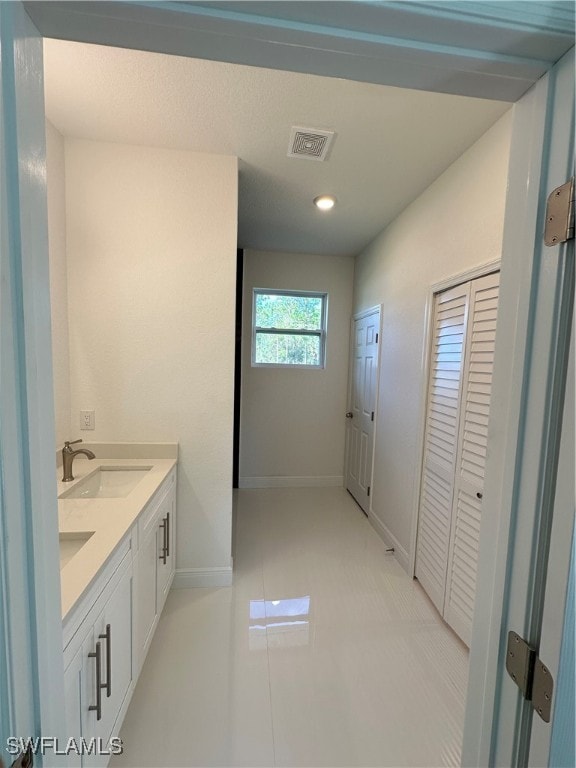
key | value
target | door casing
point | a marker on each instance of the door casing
(558, 624)
(529, 163)
(31, 663)
(526, 410)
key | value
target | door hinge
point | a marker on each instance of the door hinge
(530, 675)
(368, 490)
(560, 214)
(376, 338)
(372, 416)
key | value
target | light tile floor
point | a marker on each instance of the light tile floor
(323, 653)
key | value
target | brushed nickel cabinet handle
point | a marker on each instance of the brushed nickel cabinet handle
(163, 554)
(108, 637)
(97, 654)
(168, 534)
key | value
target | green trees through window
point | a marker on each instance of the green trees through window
(289, 328)
(288, 311)
(281, 349)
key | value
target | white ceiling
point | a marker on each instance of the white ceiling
(390, 144)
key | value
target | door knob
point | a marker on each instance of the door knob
(478, 495)
(349, 415)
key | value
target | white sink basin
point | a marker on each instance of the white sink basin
(71, 543)
(107, 483)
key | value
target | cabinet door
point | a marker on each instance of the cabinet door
(91, 724)
(113, 637)
(115, 630)
(154, 567)
(172, 553)
(166, 541)
(145, 586)
(73, 702)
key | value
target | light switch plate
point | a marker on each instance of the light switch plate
(87, 420)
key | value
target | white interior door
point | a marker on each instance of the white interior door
(360, 417)
(440, 440)
(471, 455)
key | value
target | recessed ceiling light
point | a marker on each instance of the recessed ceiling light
(325, 202)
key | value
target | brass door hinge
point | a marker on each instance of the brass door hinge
(560, 215)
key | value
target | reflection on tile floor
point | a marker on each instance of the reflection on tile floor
(323, 653)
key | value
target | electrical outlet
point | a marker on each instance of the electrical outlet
(87, 420)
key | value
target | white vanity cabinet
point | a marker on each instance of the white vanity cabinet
(108, 631)
(98, 663)
(154, 564)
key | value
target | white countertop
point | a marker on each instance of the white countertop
(110, 519)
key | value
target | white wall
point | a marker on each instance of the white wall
(56, 188)
(455, 225)
(292, 421)
(151, 237)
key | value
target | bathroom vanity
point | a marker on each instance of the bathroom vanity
(117, 523)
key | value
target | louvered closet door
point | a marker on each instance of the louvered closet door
(471, 455)
(440, 441)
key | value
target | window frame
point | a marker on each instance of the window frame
(320, 333)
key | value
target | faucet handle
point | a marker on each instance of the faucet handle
(73, 442)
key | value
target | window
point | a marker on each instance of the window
(288, 328)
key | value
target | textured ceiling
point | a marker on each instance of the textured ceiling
(390, 143)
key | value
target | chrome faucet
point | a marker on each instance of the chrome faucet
(68, 457)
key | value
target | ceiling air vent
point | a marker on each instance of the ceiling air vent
(310, 143)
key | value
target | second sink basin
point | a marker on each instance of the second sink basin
(107, 483)
(71, 543)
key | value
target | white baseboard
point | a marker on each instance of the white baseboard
(391, 541)
(321, 481)
(185, 578)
